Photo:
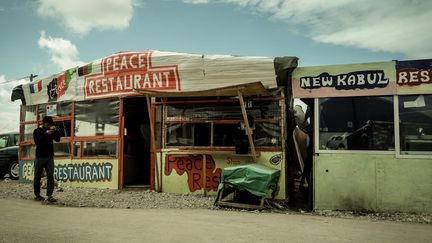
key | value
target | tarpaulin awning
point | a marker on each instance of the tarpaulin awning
(159, 72)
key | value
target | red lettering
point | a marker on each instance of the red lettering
(196, 179)
(128, 71)
(192, 165)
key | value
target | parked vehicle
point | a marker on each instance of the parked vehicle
(9, 155)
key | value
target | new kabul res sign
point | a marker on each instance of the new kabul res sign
(414, 73)
(192, 165)
(369, 79)
(124, 72)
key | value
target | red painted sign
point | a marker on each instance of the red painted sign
(414, 76)
(414, 73)
(124, 72)
(192, 165)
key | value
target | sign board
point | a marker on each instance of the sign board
(367, 79)
(414, 77)
(123, 72)
(79, 173)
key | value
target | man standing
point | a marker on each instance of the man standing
(43, 137)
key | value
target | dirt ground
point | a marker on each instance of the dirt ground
(147, 199)
(25, 220)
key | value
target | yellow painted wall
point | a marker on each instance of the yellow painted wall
(179, 183)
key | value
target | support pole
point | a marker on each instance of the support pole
(152, 144)
(247, 127)
(205, 174)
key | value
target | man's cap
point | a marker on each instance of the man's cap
(47, 119)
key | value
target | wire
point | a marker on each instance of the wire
(31, 76)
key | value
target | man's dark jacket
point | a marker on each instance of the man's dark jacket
(44, 142)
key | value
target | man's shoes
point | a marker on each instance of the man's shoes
(51, 199)
(39, 198)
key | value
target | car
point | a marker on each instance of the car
(9, 155)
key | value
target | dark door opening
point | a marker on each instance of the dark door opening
(136, 141)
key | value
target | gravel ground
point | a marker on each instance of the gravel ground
(146, 199)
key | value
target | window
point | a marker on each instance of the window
(219, 123)
(97, 117)
(62, 149)
(188, 134)
(225, 134)
(28, 151)
(415, 124)
(267, 134)
(356, 123)
(29, 113)
(64, 127)
(17, 139)
(4, 141)
(100, 149)
(28, 131)
(60, 109)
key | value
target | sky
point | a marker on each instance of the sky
(44, 37)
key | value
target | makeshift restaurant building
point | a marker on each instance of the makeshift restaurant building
(372, 134)
(169, 121)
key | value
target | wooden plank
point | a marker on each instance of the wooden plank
(241, 205)
(204, 175)
(248, 129)
(248, 89)
(219, 202)
(152, 143)
(198, 152)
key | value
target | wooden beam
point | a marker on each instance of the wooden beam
(247, 127)
(152, 143)
(205, 174)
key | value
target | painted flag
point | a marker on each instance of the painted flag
(84, 70)
(35, 87)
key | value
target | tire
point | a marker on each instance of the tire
(14, 170)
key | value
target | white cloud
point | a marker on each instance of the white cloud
(82, 16)
(196, 1)
(398, 26)
(9, 111)
(63, 53)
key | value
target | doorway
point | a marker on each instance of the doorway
(136, 143)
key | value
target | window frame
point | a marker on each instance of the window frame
(72, 139)
(396, 152)
(278, 120)
(397, 135)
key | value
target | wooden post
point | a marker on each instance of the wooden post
(247, 127)
(152, 143)
(205, 174)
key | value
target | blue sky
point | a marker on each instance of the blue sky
(46, 36)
